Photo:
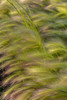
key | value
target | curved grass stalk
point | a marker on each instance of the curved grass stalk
(28, 21)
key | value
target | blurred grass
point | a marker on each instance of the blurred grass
(33, 50)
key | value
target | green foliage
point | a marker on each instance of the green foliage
(33, 50)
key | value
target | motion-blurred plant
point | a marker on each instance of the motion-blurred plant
(33, 50)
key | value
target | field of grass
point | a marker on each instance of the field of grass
(33, 50)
